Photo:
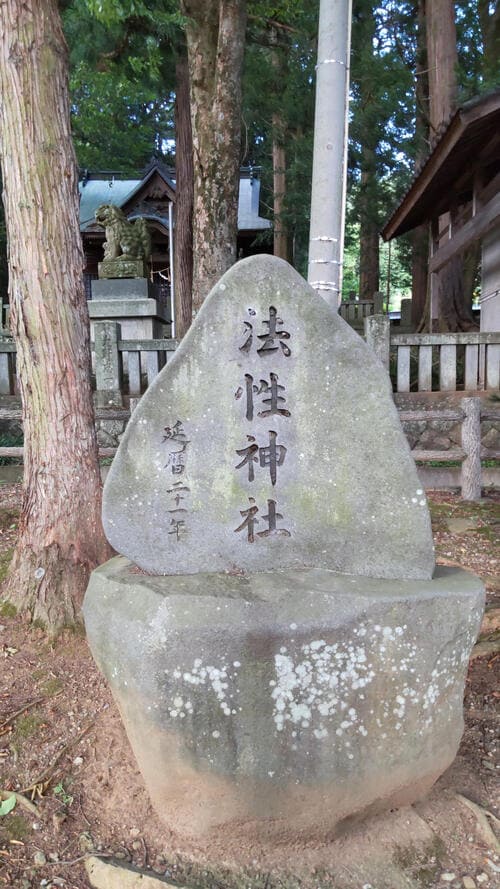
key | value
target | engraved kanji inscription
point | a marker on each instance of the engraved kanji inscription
(274, 402)
(249, 520)
(271, 517)
(177, 492)
(272, 341)
(175, 433)
(271, 455)
(274, 338)
(250, 456)
(178, 527)
(177, 457)
(177, 462)
(247, 345)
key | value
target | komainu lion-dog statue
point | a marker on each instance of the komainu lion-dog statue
(124, 239)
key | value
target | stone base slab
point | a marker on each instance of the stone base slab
(286, 702)
(122, 268)
(124, 288)
(126, 308)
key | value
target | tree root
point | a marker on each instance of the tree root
(482, 816)
(41, 785)
(4, 726)
(21, 800)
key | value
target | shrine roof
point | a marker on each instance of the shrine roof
(469, 142)
(110, 188)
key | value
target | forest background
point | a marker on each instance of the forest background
(130, 101)
(126, 58)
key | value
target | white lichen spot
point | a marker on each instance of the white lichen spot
(320, 733)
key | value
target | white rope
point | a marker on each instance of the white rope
(332, 62)
(326, 262)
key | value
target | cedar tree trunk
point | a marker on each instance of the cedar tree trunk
(369, 247)
(455, 310)
(442, 58)
(489, 20)
(60, 533)
(420, 235)
(280, 233)
(215, 33)
(279, 189)
(183, 240)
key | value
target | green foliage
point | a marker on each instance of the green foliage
(121, 82)
(122, 86)
(8, 804)
(116, 123)
(61, 793)
(278, 103)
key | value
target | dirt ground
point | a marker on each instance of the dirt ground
(64, 752)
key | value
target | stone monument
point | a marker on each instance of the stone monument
(287, 657)
(123, 292)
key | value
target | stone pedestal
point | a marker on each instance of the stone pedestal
(121, 267)
(133, 303)
(284, 702)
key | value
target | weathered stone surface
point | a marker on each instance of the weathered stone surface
(122, 268)
(286, 700)
(124, 288)
(108, 875)
(318, 472)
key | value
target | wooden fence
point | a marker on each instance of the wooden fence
(355, 311)
(439, 362)
(469, 413)
(464, 362)
(420, 363)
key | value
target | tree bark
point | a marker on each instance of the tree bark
(369, 250)
(280, 233)
(443, 60)
(60, 532)
(420, 235)
(183, 240)
(215, 33)
(489, 20)
(455, 311)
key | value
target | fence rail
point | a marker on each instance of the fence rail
(355, 311)
(420, 362)
(447, 362)
(469, 414)
(468, 362)
(436, 362)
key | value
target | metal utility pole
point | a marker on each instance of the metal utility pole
(326, 237)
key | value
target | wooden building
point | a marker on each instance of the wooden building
(457, 191)
(153, 197)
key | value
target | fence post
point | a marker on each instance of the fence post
(405, 313)
(6, 376)
(471, 444)
(378, 303)
(108, 365)
(378, 336)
